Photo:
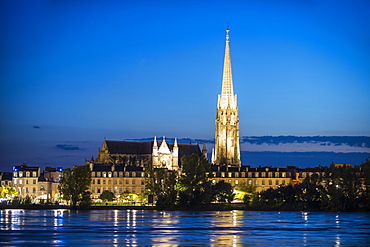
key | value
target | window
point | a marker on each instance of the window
(115, 174)
(92, 190)
(99, 174)
(120, 174)
(222, 174)
(127, 174)
(20, 181)
(142, 182)
(114, 181)
(120, 181)
(256, 182)
(20, 174)
(276, 174)
(93, 174)
(263, 182)
(269, 174)
(256, 174)
(104, 181)
(27, 190)
(34, 190)
(104, 174)
(98, 182)
(283, 182)
(109, 174)
(92, 181)
(109, 181)
(250, 182)
(133, 181)
(277, 182)
(263, 174)
(230, 174)
(133, 174)
(270, 182)
(98, 191)
(283, 174)
(26, 181)
(127, 182)
(250, 174)
(143, 174)
(34, 174)
(236, 181)
(236, 174)
(120, 190)
(27, 174)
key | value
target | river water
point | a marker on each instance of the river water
(182, 228)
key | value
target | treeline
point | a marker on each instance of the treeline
(343, 188)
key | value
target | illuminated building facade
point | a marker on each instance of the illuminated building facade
(227, 150)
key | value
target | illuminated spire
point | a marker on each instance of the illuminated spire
(227, 93)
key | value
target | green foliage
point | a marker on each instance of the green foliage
(106, 195)
(194, 186)
(223, 192)
(342, 188)
(7, 191)
(161, 184)
(246, 192)
(74, 183)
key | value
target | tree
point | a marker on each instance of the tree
(161, 183)
(223, 192)
(106, 195)
(246, 192)
(74, 183)
(194, 186)
(7, 191)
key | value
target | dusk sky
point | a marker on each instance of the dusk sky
(74, 73)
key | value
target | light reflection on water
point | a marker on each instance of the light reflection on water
(174, 228)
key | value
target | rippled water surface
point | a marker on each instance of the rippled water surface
(179, 228)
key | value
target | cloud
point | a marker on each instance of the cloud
(67, 147)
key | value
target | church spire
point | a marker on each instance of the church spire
(227, 150)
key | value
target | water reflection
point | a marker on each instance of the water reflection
(178, 228)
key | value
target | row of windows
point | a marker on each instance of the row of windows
(263, 182)
(20, 181)
(250, 174)
(309, 174)
(117, 174)
(118, 190)
(26, 174)
(27, 190)
(115, 181)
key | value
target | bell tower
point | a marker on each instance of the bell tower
(227, 150)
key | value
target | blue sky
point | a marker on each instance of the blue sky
(74, 73)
